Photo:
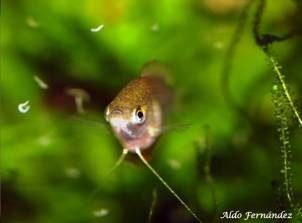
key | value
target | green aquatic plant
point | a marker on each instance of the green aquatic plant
(152, 207)
(281, 114)
(283, 102)
(230, 52)
(207, 167)
(204, 152)
(265, 41)
(284, 87)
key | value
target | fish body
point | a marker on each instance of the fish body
(136, 113)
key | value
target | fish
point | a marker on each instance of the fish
(136, 114)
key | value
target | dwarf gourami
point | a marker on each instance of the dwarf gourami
(137, 113)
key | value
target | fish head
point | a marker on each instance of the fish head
(136, 125)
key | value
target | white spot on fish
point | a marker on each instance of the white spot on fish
(101, 213)
(97, 29)
(40, 82)
(72, 172)
(24, 107)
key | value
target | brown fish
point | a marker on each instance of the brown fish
(136, 113)
(136, 116)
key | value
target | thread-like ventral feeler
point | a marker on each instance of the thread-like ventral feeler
(138, 152)
(118, 162)
(116, 165)
(152, 207)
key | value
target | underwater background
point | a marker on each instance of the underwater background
(234, 133)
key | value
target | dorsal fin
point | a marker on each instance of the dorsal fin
(157, 69)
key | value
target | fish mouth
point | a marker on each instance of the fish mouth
(122, 128)
(130, 135)
(127, 134)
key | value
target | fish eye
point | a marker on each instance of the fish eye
(139, 115)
